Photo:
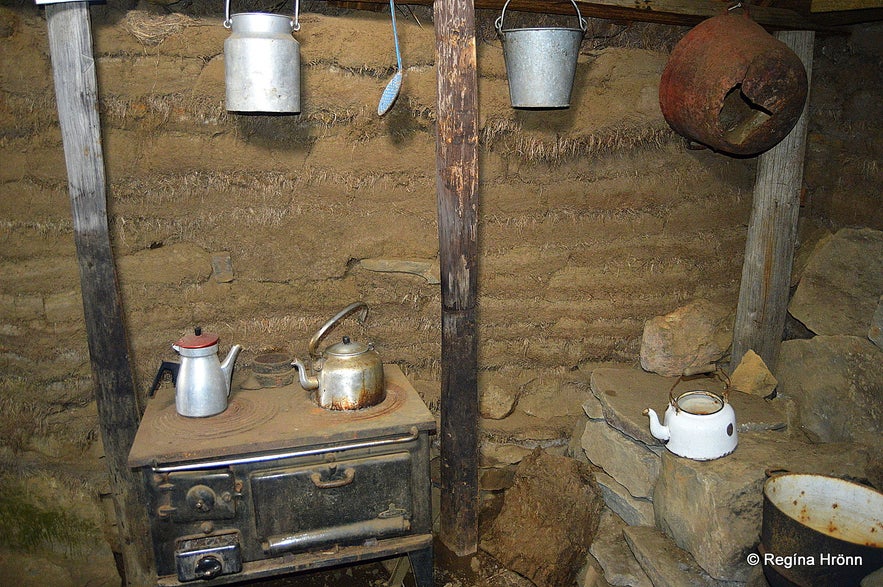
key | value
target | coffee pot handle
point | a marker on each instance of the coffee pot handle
(170, 367)
(314, 341)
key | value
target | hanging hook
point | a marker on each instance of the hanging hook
(740, 5)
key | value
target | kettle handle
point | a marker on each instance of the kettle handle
(711, 369)
(314, 341)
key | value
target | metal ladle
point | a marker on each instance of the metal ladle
(391, 92)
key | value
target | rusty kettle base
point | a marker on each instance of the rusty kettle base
(732, 86)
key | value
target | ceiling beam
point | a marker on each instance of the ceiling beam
(678, 12)
(832, 5)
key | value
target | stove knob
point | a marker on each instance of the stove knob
(201, 498)
(208, 567)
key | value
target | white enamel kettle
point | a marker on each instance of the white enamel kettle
(698, 424)
(202, 385)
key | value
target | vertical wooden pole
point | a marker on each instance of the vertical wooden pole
(456, 190)
(772, 233)
(70, 44)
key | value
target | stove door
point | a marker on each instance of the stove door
(345, 502)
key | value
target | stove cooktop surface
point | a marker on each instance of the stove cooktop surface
(271, 419)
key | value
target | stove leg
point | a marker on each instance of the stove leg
(421, 564)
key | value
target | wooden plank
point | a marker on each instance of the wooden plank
(838, 5)
(772, 233)
(76, 90)
(457, 194)
(680, 12)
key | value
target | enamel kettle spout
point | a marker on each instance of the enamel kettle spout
(306, 381)
(227, 366)
(658, 431)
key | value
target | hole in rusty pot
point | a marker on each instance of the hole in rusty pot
(740, 117)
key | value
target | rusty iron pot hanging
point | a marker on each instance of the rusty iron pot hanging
(732, 86)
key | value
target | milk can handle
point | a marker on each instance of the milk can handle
(228, 22)
(499, 22)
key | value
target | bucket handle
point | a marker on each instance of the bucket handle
(295, 24)
(499, 22)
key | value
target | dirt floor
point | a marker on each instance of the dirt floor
(593, 219)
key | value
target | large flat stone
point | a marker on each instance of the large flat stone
(549, 396)
(837, 384)
(574, 448)
(634, 511)
(664, 563)
(610, 550)
(841, 284)
(713, 509)
(625, 393)
(633, 464)
(591, 575)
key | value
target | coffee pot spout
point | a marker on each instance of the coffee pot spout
(658, 431)
(227, 365)
(306, 381)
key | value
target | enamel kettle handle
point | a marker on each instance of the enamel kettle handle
(314, 342)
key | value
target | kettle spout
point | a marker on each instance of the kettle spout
(227, 365)
(658, 431)
(306, 381)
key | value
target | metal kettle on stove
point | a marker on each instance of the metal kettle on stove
(203, 382)
(349, 374)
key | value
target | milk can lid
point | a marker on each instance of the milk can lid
(198, 340)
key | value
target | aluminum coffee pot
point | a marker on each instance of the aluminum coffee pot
(203, 382)
(349, 374)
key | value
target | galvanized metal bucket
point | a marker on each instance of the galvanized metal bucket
(262, 62)
(541, 62)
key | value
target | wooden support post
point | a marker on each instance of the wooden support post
(772, 233)
(456, 190)
(70, 44)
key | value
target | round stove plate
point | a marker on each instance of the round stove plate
(241, 414)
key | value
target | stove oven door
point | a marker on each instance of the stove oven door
(349, 501)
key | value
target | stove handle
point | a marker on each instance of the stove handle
(349, 474)
(377, 528)
(414, 434)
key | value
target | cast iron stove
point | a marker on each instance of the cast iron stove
(277, 484)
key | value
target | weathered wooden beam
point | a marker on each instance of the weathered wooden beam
(457, 194)
(681, 12)
(837, 5)
(76, 91)
(772, 233)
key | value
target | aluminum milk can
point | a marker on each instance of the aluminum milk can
(261, 62)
